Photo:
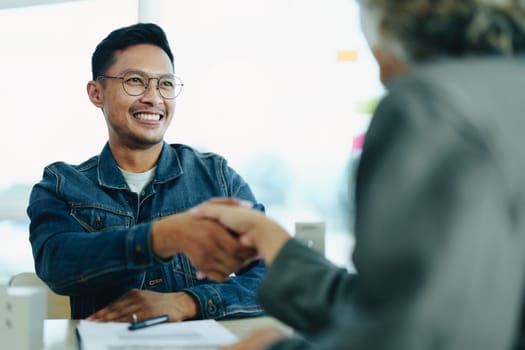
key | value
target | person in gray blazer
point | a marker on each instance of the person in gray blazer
(440, 196)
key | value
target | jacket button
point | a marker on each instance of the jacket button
(211, 307)
(98, 222)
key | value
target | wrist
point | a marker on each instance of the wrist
(190, 305)
(273, 247)
(161, 235)
(269, 245)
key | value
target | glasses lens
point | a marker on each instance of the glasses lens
(170, 87)
(167, 87)
(134, 83)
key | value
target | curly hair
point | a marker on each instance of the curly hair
(432, 28)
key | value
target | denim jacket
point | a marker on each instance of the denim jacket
(90, 234)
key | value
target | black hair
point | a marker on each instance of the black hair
(119, 39)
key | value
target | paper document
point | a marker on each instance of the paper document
(194, 335)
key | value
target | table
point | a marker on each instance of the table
(60, 334)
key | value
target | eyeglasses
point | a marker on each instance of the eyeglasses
(136, 83)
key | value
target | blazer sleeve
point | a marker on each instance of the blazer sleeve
(301, 288)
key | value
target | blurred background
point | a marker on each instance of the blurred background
(283, 89)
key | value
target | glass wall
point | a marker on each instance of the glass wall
(275, 86)
(45, 60)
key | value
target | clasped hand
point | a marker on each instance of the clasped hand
(255, 232)
(211, 247)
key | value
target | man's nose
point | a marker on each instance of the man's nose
(152, 90)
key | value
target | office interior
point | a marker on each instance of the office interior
(283, 89)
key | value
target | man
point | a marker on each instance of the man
(113, 233)
(440, 199)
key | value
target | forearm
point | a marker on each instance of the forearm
(269, 238)
(164, 234)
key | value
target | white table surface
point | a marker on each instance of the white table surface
(61, 335)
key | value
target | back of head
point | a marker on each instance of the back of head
(426, 29)
(119, 39)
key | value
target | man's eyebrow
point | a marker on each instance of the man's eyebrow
(127, 71)
(171, 75)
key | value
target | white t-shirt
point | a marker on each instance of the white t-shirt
(137, 181)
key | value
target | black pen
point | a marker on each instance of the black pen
(148, 322)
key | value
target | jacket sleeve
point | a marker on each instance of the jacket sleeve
(57, 238)
(234, 298)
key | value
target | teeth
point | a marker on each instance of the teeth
(145, 116)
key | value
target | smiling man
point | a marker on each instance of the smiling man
(114, 233)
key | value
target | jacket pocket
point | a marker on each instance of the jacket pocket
(98, 218)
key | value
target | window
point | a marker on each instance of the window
(46, 53)
(272, 85)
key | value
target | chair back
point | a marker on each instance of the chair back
(57, 305)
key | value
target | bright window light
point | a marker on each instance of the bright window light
(273, 86)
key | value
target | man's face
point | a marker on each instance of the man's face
(136, 122)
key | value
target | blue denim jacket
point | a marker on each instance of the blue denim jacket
(90, 234)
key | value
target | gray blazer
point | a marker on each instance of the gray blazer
(439, 225)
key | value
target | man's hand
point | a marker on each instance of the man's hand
(146, 304)
(211, 248)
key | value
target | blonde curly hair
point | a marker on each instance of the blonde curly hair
(427, 29)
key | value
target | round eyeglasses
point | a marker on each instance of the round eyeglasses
(136, 83)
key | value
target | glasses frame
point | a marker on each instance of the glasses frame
(176, 78)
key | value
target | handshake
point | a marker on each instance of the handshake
(219, 236)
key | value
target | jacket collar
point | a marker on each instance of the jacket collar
(109, 175)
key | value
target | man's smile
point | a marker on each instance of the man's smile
(148, 116)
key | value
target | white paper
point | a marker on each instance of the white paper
(201, 335)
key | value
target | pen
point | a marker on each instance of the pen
(149, 322)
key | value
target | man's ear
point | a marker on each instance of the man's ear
(94, 90)
(390, 66)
